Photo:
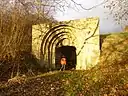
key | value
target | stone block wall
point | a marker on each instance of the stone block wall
(83, 34)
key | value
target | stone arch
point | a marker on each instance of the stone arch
(52, 38)
(51, 32)
(84, 35)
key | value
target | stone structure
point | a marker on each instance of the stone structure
(77, 38)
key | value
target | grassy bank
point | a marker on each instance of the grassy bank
(99, 81)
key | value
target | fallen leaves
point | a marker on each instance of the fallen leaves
(70, 83)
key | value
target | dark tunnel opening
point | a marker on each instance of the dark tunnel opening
(69, 52)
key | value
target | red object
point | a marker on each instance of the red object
(63, 61)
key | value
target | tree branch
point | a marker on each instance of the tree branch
(90, 7)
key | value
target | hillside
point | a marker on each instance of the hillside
(99, 81)
(109, 78)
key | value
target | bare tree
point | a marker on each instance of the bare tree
(16, 18)
(119, 10)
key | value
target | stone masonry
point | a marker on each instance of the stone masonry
(83, 34)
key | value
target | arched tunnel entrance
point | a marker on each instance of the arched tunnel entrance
(69, 52)
(53, 46)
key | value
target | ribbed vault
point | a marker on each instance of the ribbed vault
(54, 38)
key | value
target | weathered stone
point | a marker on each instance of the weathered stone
(83, 34)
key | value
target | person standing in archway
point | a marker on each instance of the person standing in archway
(63, 63)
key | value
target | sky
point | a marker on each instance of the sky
(107, 22)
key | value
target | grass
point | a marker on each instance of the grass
(108, 79)
(98, 81)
